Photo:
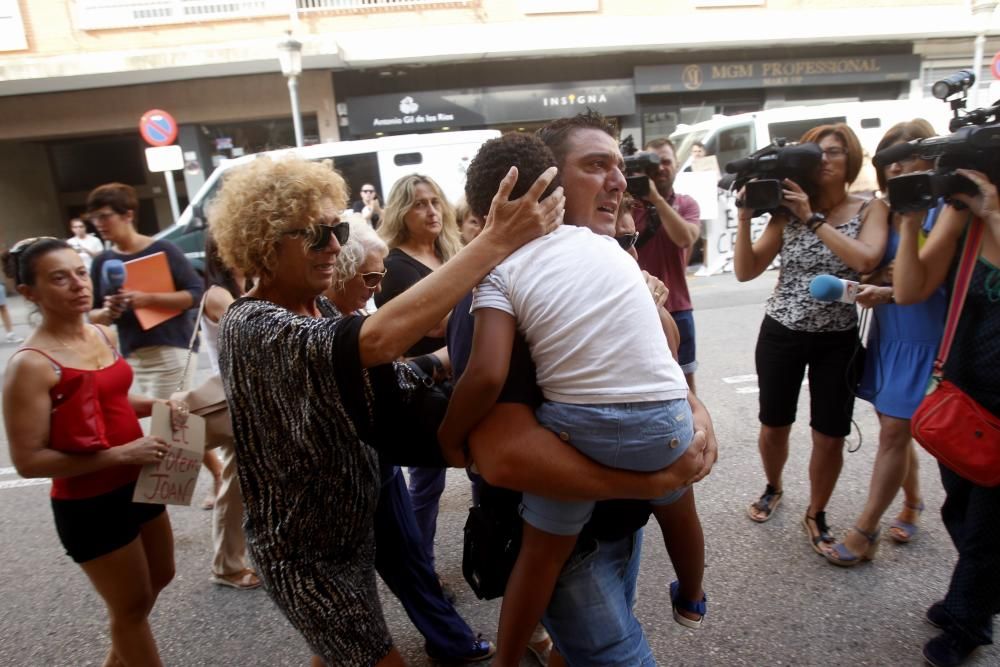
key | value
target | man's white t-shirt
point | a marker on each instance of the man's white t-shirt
(589, 319)
(89, 242)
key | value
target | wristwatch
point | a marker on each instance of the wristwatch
(815, 220)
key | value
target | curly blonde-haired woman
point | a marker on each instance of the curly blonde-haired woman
(298, 372)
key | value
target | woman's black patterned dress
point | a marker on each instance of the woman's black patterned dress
(310, 485)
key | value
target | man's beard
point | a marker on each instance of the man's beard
(665, 188)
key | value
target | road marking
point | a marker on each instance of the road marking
(738, 379)
(15, 483)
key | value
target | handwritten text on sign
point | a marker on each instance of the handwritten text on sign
(172, 480)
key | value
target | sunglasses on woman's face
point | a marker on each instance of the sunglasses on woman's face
(318, 236)
(373, 278)
(626, 241)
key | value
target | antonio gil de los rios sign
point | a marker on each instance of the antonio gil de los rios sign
(474, 107)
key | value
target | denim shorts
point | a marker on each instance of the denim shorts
(3, 294)
(631, 436)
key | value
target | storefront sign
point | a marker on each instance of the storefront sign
(438, 109)
(760, 73)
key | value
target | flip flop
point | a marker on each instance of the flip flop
(244, 580)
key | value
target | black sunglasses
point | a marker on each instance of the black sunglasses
(373, 278)
(626, 241)
(318, 236)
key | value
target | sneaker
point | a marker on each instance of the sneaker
(480, 650)
(12, 337)
(948, 650)
(937, 616)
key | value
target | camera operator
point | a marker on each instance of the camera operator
(970, 511)
(669, 224)
(830, 232)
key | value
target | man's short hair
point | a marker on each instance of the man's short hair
(494, 160)
(556, 134)
(656, 144)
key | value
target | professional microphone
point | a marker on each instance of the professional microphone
(112, 276)
(825, 287)
(887, 156)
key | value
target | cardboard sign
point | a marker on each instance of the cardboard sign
(171, 481)
(151, 274)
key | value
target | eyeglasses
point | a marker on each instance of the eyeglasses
(834, 152)
(373, 278)
(366, 190)
(626, 241)
(317, 236)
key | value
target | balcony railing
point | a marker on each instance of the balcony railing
(104, 14)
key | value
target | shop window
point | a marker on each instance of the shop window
(658, 124)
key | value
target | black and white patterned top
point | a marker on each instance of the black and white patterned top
(296, 391)
(803, 257)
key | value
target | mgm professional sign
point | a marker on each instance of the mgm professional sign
(476, 107)
(764, 73)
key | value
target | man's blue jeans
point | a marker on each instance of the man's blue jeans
(590, 614)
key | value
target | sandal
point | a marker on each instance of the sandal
(821, 537)
(244, 580)
(840, 555)
(765, 505)
(700, 607)
(903, 532)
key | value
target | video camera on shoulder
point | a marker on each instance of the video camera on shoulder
(640, 166)
(973, 144)
(762, 173)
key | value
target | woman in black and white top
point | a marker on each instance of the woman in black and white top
(828, 232)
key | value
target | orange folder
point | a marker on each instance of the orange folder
(150, 274)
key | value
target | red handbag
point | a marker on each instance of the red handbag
(961, 434)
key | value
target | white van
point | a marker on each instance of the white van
(730, 138)
(443, 156)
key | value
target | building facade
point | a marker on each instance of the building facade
(76, 75)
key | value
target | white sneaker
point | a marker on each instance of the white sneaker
(13, 338)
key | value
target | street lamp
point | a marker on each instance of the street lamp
(290, 57)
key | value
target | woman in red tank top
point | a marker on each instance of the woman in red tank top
(69, 416)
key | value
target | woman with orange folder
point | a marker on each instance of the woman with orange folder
(154, 309)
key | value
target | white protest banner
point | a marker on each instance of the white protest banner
(171, 481)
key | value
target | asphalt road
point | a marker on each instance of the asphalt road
(772, 600)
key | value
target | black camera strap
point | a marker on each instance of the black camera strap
(653, 223)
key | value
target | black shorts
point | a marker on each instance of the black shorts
(782, 357)
(92, 527)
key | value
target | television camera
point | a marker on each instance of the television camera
(973, 144)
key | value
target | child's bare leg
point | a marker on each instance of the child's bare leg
(685, 543)
(529, 589)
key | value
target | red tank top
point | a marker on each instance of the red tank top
(120, 425)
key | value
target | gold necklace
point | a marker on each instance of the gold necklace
(94, 358)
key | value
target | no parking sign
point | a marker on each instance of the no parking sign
(158, 127)
(995, 67)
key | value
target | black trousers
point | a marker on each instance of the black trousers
(402, 562)
(971, 514)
